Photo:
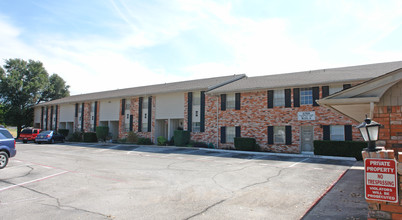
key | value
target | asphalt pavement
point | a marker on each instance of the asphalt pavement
(106, 181)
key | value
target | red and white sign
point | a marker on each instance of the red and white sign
(380, 180)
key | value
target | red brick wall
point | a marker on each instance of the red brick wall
(134, 112)
(254, 118)
(391, 118)
(87, 117)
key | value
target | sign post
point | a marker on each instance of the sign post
(380, 180)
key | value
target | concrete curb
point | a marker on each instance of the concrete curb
(236, 151)
(283, 155)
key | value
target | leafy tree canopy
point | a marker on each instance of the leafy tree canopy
(24, 84)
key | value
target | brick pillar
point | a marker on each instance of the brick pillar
(385, 210)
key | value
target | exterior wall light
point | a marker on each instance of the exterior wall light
(370, 131)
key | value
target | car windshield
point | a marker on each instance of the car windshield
(26, 131)
(46, 132)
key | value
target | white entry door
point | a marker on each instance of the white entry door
(307, 136)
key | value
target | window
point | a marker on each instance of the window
(230, 134)
(279, 135)
(279, 97)
(335, 88)
(145, 115)
(230, 101)
(196, 98)
(92, 107)
(196, 127)
(306, 96)
(337, 133)
(145, 126)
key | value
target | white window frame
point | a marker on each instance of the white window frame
(279, 98)
(230, 101)
(230, 134)
(196, 98)
(145, 115)
(279, 133)
(335, 88)
(306, 96)
(337, 132)
(196, 126)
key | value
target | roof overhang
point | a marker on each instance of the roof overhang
(358, 102)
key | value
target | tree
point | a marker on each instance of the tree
(24, 84)
(56, 89)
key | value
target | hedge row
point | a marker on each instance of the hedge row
(340, 148)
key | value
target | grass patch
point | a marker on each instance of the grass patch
(13, 131)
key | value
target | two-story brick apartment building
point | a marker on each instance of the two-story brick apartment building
(280, 111)
(150, 111)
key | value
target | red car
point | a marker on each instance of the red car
(29, 134)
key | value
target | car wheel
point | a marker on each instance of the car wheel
(3, 159)
(38, 142)
(24, 142)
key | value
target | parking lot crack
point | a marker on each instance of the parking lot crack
(266, 181)
(59, 205)
(227, 171)
(207, 208)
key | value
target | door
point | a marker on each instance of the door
(307, 136)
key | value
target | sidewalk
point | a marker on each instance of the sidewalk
(345, 200)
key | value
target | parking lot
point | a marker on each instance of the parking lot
(101, 181)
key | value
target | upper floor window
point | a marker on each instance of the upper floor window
(335, 88)
(230, 101)
(128, 105)
(306, 96)
(279, 97)
(196, 98)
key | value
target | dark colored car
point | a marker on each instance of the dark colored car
(49, 137)
(7, 147)
(29, 134)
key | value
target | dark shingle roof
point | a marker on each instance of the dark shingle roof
(310, 78)
(191, 85)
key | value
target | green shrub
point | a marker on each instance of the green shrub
(102, 132)
(144, 141)
(245, 144)
(171, 142)
(64, 132)
(132, 137)
(181, 138)
(75, 137)
(161, 141)
(340, 148)
(123, 140)
(90, 137)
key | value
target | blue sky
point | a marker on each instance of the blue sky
(98, 45)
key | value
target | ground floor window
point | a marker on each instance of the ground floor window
(230, 134)
(279, 135)
(337, 133)
(196, 127)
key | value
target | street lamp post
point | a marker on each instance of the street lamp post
(370, 131)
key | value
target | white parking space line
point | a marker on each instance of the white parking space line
(294, 164)
(32, 181)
